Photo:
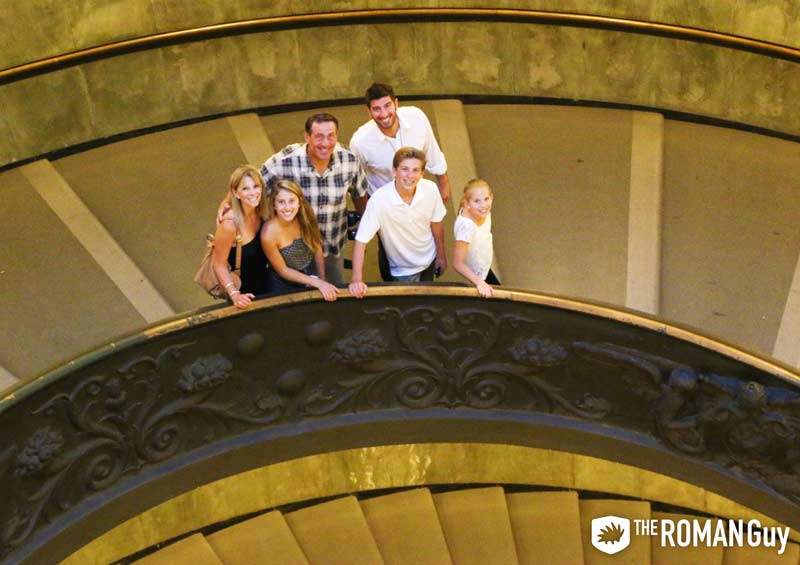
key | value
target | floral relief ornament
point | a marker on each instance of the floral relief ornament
(444, 358)
(746, 426)
(45, 444)
(204, 373)
(111, 424)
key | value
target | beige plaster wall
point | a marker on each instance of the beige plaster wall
(561, 181)
(161, 86)
(730, 231)
(730, 217)
(56, 301)
(158, 195)
(42, 28)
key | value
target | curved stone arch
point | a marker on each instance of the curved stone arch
(191, 81)
(71, 26)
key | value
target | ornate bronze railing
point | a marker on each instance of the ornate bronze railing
(220, 392)
(387, 15)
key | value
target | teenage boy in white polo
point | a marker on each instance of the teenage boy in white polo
(408, 214)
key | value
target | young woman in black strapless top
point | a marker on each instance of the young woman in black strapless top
(245, 216)
(293, 244)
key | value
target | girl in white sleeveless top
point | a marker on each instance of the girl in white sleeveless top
(472, 256)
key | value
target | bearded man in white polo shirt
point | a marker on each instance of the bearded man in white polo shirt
(408, 214)
(390, 128)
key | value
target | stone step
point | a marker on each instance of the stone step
(406, 528)
(547, 527)
(334, 533)
(265, 539)
(762, 555)
(476, 526)
(193, 550)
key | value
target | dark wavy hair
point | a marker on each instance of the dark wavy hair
(378, 90)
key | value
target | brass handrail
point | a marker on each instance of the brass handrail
(115, 48)
(610, 312)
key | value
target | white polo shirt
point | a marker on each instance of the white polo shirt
(376, 150)
(405, 228)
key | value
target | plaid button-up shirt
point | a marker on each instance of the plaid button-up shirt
(325, 192)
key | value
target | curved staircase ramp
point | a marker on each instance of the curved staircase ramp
(474, 526)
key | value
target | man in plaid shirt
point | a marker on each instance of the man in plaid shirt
(326, 172)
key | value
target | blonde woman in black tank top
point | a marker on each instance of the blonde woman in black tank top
(247, 210)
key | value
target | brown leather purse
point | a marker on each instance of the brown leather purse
(207, 278)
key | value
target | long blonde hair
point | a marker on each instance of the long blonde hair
(477, 182)
(237, 177)
(309, 230)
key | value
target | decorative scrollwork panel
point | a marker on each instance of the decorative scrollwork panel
(139, 407)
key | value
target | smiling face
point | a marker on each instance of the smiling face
(248, 192)
(286, 205)
(478, 201)
(322, 140)
(384, 112)
(407, 173)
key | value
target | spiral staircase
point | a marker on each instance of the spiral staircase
(631, 170)
(470, 526)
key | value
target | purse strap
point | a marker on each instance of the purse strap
(238, 267)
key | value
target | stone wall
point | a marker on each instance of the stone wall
(43, 28)
(161, 86)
